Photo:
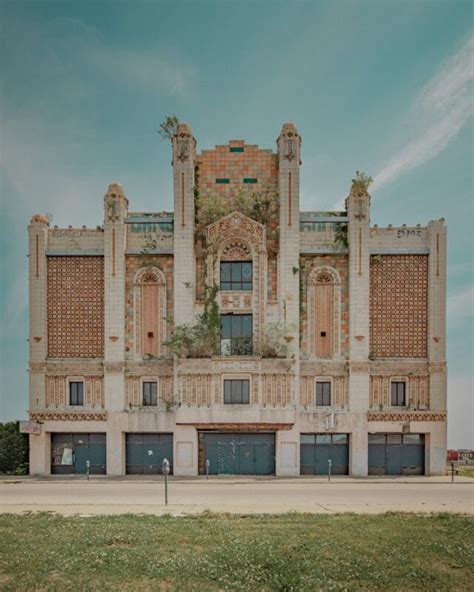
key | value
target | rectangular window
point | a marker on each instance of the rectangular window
(236, 149)
(223, 181)
(76, 393)
(236, 392)
(250, 180)
(398, 398)
(236, 335)
(150, 394)
(236, 275)
(323, 394)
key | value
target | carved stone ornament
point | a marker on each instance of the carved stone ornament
(39, 219)
(406, 416)
(289, 151)
(183, 149)
(68, 415)
(236, 251)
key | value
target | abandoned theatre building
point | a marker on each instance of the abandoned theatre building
(238, 330)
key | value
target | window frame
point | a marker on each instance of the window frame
(79, 392)
(397, 384)
(325, 396)
(144, 384)
(235, 348)
(232, 382)
(235, 285)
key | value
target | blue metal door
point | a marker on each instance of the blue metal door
(237, 453)
(396, 454)
(145, 452)
(70, 453)
(317, 449)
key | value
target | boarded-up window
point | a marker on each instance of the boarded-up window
(324, 316)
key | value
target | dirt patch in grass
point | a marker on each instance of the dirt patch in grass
(290, 552)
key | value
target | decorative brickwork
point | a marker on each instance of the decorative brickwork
(159, 268)
(195, 389)
(399, 306)
(57, 396)
(406, 416)
(75, 307)
(223, 163)
(312, 267)
(42, 416)
(276, 389)
(417, 390)
(133, 390)
(339, 396)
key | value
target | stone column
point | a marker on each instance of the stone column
(358, 211)
(115, 234)
(38, 334)
(184, 154)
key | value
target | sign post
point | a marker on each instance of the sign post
(166, 472)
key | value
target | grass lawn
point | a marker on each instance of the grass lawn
(220, 552)
(465, 471)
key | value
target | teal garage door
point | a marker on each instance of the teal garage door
(236, 453)
(317, 449)
(396, 454)
(70, 453)
(144, 453)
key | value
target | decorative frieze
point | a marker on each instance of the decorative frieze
(276, 389)
(406, 416)
(133, 389)
(195, 389)
(66, 415)
(417, 390)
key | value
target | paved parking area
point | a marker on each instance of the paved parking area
(102, 495)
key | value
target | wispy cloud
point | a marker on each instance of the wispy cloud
(460, 304)
(437, 115)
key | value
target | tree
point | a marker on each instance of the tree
(13, 449)
(168, 127)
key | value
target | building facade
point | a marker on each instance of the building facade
(330, 343)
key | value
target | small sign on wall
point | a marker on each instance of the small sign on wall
(30, 427)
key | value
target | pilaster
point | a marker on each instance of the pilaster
(358, 211)
(184, 155)
(115, 212)
(437, 314)
(38, 322)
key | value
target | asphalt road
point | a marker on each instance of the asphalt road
(240, 496)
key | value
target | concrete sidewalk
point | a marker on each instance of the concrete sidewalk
(236, 495)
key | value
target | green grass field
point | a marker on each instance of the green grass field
(222, 552)
(465, 471)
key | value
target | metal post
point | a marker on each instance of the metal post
(207, 469)
(329, 469)
(452, 472)
(166, 472)
(88, 469)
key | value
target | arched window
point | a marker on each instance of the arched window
(150, 312)
(324, 294)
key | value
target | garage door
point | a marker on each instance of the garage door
(396, 454)
(237, 453)
(144, 453)
(70, 453)
(317, 449)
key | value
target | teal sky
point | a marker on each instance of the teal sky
(382, 86)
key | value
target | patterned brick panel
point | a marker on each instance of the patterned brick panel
(75, 307)
(276, 389)
(133, 394)
(224, 162)
(340, 264)
(399, 306)
(56, 395)
(196, 389)
(339, 395)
